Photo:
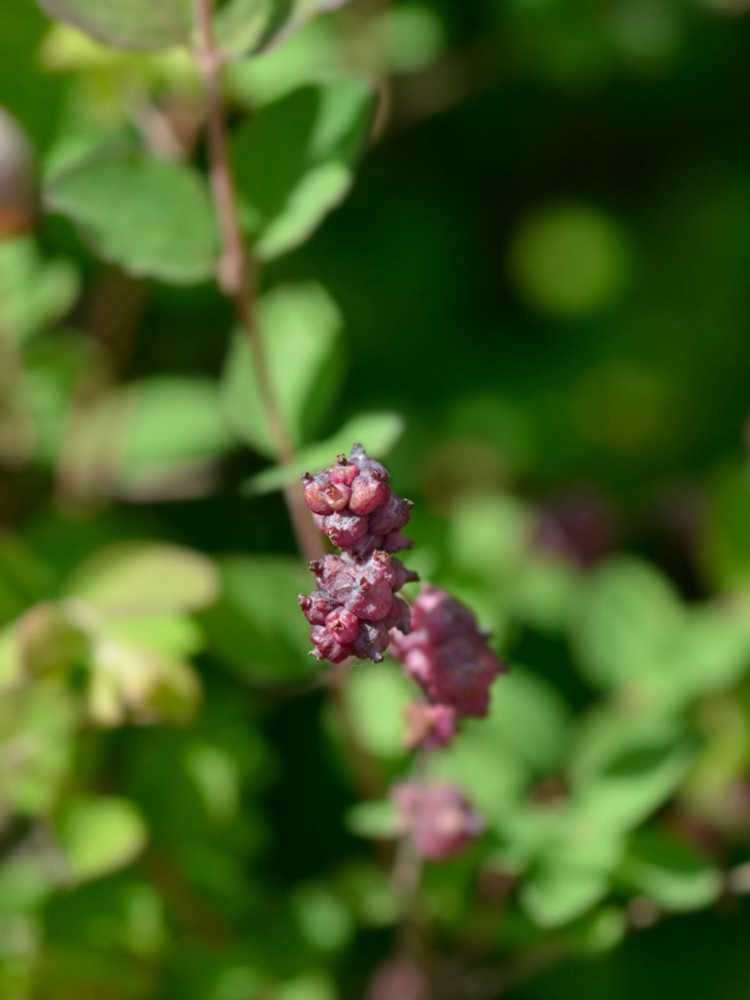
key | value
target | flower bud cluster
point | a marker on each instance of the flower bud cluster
(447, 655)
(356, 604)
(437, 817)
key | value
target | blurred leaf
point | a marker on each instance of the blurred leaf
(556, 894)
(712, 654)
(326, 923)
(49, 640)
(375, 819)
(293, 160)
(598, 932)
(134, 682)
(529, 721)
(378, 432)
(151, 217)
(576, 858)
(135, 24)
(300, 326)
(170, 424)
(26, 881)
(257, 627)
(490, 535)
(254, 25)
(376, 697)
(142, 578)
(624, 767)
(34, 293)
(308, 56)
(171, 634)
(627, 622)
(545, 592)
(100, 835)
(669, 872)
(308, 986)
(36, 736)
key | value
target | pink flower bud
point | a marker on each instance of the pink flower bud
(429, 726)
(438, 818)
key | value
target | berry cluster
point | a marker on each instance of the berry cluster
(437, 817)
(356, 603)
(353, 504)
(447, 655)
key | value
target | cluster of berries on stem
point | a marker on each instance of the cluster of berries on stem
(356, 611)
(356, 604)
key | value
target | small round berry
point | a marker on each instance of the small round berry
(344, 625)
(368, 493)
(345, 530)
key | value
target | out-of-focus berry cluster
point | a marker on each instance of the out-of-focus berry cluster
(356, 604)
(447, 654)
(437, 817)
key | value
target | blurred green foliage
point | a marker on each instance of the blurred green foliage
(505, 244)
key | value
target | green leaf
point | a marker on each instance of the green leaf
(670, 872)
(577, 855)
(34, 293)
(100, 835)
(377, 819)
(711, 655)
(254, 25)
(378, 432)
(624, 767)
(130, 24)
(170, 634)
(376, 697)
(300, 326)
(490, 535)
(132, 682)
(627, 623)
(140, 578)
(325, 921)
(42, 720)
(598, 932)
(26, 881)
(257, 627)
(151, 217)
(50, 640)
(529, 719)
(294, 159)
(554, 895)
(171, 424)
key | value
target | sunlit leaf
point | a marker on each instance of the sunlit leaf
(133, 579)
(627, 624)
(377, 697)
(33, 292)
(151, 217)
(134, 24)
(669, 872)
(294, 160)
(378, 432)
(100, 835)
(254, 25)
(300, 326)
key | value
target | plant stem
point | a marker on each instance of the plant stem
(237, 273)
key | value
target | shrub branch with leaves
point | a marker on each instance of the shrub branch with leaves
(174, 821)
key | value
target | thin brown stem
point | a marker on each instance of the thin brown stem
(237, 273)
